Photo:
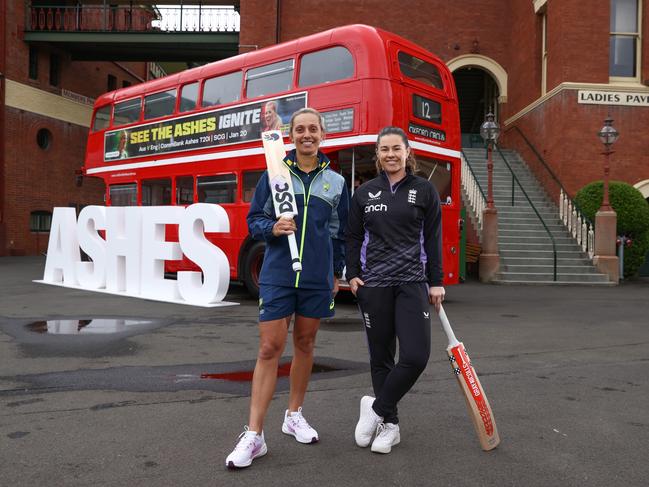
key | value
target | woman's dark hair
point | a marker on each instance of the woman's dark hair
(411, 162)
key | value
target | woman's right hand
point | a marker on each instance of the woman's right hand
(284, 226)
(354, 284)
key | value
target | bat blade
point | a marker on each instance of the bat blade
(281, 186)
(476, 400)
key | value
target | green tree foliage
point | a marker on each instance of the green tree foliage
(632, 217)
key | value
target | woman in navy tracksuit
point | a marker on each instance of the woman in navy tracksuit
(394, 268)
(322, 201)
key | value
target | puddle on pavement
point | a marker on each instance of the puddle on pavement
(91, 326)
(79, 335)
(231, 378)
(283, 370)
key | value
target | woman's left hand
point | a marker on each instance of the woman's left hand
(436, 296)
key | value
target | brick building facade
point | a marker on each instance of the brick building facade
(45, 110)
(531, 60)
(527, 60)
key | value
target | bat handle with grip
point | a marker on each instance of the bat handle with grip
(452, 341)
(295, 256)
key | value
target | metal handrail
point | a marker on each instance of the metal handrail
(538, 156)
(554, 244)
(580, 227)
(473, 190)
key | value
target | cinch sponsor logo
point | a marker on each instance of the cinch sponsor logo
(378, 207)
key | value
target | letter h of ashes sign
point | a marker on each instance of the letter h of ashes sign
(129, 261)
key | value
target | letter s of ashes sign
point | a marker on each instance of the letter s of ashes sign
(130, 260)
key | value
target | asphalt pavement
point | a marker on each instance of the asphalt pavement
(144, 393)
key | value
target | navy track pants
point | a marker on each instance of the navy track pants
(390, 314)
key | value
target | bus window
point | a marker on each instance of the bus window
(102, 118)
(159, 104)
(217, 189)
(123, 194)
(326, 66)
(419, 70)
(222, 89)
(357, 165)
(272, 78)
(188, 97)
(156, 192)
(184, 190)
(250, 179)
(438, 173)
(127, 112)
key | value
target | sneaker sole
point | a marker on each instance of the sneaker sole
(232, 466)
(386, 450)
(362, 442)
(287, 431)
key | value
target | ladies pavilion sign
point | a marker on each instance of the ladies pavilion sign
(627, 98)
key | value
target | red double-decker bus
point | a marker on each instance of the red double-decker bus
(195, 136)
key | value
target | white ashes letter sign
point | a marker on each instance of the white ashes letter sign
(127, 248)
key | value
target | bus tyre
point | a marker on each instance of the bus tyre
(252, 267)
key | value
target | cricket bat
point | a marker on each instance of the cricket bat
(281, 186)
(476, 400)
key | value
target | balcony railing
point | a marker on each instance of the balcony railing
(124, 18)
(579, 226)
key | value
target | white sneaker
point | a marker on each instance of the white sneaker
(386, 437)
(367, 422)
(295, 425)
(250, 446)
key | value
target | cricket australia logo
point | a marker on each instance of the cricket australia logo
(412, 196)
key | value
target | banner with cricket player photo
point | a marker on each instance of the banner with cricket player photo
(212, 128)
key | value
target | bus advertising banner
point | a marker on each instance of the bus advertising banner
(232, 125)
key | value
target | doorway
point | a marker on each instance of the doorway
(478, 95)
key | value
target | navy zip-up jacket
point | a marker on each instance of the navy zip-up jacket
(394, 233)
(321, 220)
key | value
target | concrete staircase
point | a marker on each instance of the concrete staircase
(526, 255)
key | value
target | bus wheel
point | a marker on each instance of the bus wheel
(252, 268)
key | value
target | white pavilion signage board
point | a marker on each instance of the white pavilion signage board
(636, 99)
